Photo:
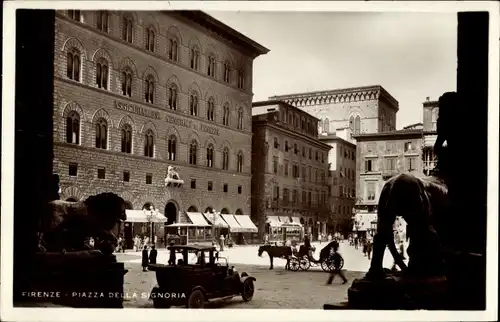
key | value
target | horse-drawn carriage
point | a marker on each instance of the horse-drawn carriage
(302, 259)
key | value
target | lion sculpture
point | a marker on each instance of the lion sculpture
(66, 226)
(423, 203)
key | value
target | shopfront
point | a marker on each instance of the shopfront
(248, 233)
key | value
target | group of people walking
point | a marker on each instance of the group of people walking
(148, 258)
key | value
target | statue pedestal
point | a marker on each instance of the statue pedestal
(73, 279)
(396, 292)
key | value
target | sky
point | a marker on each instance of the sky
(412, 55)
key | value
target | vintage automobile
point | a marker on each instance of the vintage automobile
(182, 283)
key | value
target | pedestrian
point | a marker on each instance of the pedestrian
(145, 259)
(222, 243)
(152, 255)
(329, 238)
(337, 269)
(356, 242)
(171, 259)
(363, 241)
(369, 248)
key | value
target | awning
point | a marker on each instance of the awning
(296, 220)
(144, 216)
(363, 221)
(284, 219)
(219, 222)
(197, 219)
(246, 223)
(234, 226)
(274, 221)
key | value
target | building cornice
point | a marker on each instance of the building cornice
(297, 135)
(330, 138)
(221, 30)
(287, 105)
(394, 135)
(343, 95)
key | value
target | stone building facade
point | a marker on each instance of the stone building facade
(368, 109)
(380, 156)
(136, 92)
(431, 113)
(341, 182)
(289, 168)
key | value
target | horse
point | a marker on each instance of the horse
(66, 226)
(423, 203)
(277, 251)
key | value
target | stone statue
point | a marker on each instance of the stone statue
(173, 178)
(67, 226)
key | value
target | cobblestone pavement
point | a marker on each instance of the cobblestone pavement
(274, 289)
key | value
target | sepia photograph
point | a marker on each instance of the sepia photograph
(337, 157)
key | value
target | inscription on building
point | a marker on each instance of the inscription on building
(177, 121)
(209, 129)
(137, 110)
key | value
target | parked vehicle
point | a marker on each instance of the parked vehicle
(194, 284)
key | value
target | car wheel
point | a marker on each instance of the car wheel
(248, 290)
(196, 300)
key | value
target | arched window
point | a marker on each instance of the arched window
(211, 66)
(303, 127)
(241, 79)
(193, 149)
(239, 166)
(208, 210)
(227, 71)
(240, 119)
(172, 97)
(351, 123)
(357, 125)
(210, 109)
(127, 138)
(194, 58)
(173, 49)
(127, 29)
(150, 39)
(149, 89)
(225, 159)
(238, 212)
(320, 127)
(210, 156)
(192, 209)
(102, 74)
(326, 126)
(127, 82)
(172, 148)
(224, 211)
(225, 115)
(73, 128)
(73, 65)
(193, 104)
(149, 144)
(101, 134)
(102, 21)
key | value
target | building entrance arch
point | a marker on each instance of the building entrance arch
(171, 213)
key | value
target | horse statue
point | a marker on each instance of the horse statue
(423, 202)
(173, 177)
(67, 226)
(284, 252)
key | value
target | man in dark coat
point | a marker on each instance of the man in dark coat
(152, 255)
(337, 260)
(171, 260)
(145, 258)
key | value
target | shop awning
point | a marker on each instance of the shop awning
(234, 226)
(284, 219)
(246, 223)
(197, 219)
(144, 216)
(296, 220)
(274, 221)
(219, 222)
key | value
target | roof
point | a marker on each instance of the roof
(222, 30)
(288, 105)
(388, 135)
(333, 137)
(192, 247)
(412, 125)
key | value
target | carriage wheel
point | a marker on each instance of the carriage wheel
(304, 263)
(325, 265)
(294, 264)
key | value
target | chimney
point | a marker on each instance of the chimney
(427, 99)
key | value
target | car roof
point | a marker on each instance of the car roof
(192, 247)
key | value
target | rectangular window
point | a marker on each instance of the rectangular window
(101, 173)
(408, 146)
(240, 189)
(390, 164)
(286, 146)
(295, 149)
(304, 197)
(149, 178)
(286, 168)
(276, 193)
(275, 164)
(126, 176)
(73, 169)
(370, 190)
(276, 143)
(411, 164)
(369, 165)
(224, 187)
(210, 186)
(193, 183)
